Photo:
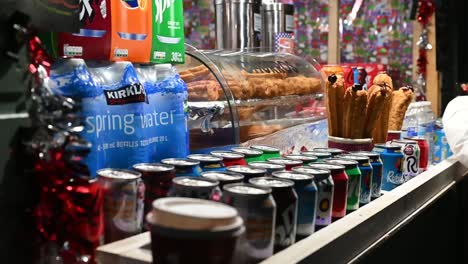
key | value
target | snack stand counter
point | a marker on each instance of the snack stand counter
(355, 236)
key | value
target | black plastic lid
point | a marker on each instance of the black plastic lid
(349, 164)
(319, 174)
(362, 160)
(333, 168)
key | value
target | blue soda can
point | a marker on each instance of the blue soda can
(208, 162)
(306, 190)
(366, 176)
(184, 167)
(392, 160)
(377, 171)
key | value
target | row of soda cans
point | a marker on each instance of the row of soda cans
(124, 30)
(281, 199)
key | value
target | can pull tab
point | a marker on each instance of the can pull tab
(202, 113)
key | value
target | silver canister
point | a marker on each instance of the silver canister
(234, 24)
(276, 18)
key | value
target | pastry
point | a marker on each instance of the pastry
(203, 90)
(355, 104)
(340, 91)
(196, 74)
(380, 131)
(383, 79)
(400, 102)
(375, 104)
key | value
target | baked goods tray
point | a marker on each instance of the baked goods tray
(287, 100)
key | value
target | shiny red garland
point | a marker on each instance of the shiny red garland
(426, 9)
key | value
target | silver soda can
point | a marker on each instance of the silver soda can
(258, 210)
(123, 192)
(195, 187)
(411, 153)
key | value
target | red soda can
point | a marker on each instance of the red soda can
(123, 192)
(230, 158)
(423, 152)
(288, 163)
(158, 181)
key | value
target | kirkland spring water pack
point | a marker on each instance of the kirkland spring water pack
(131, 114)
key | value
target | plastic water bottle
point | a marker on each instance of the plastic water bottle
(411, 121)
(430, 126)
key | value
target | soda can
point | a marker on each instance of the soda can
(258, 210)
(195, 187)
(184, 167)
(392, 160)
(247, 171)
(321, 155)
(158, 181)
(123, 192)
(340, 194)
(230, 158)
(251, 155)
(268, 151)
(307, 194)
(423, 152)
(366, 176)
(223, 177)
(354, 183)
(286, 209)
(269, 167)
(305, 159)
(288, 163)
(379, 148)
(377, 171)
(333, 151)
(208, 162)
(410, 150)
(325, 188)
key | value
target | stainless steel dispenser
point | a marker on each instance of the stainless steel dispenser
(276, 18)
(234, 24)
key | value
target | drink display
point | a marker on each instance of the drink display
(184, 167)
(392, 160)
(268, 151)
(305, 159)
(123, 192)
(223, 177)
(269, 167)
(195, 187)
(354, 183)
(321, 155)
(410, 150)
(424, 152)
(230, 158)
(307, 194)
(340, 194)
(366, 176)
(333, 151)
(193, 231)
(377, 171)
(248, 172)
(251, 155)
(208, 162)
(286, 209)
(288, 163)
(325, 187)
(158, 180)
(258, 210)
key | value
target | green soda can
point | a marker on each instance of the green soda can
(354, 183)
(250, 155)
(305, 159)
(321, 155)
(268, 151)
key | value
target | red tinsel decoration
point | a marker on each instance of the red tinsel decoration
(422, 62)
(426, 9)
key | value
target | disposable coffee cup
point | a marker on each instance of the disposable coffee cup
(187, 230)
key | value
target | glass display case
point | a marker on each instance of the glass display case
(239, 96)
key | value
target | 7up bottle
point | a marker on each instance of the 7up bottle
(168, 32)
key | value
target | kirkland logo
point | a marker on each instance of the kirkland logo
(134, 93)
(72, 51)
(120, 53)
